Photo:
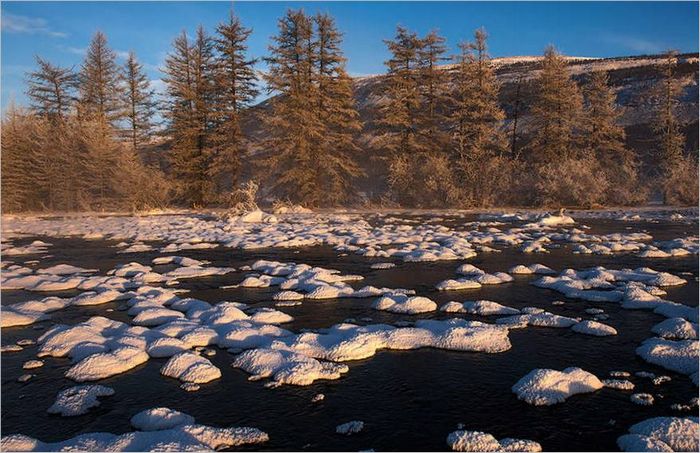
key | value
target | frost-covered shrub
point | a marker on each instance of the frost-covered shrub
(680, 184)
(242, 199)
(570, 182)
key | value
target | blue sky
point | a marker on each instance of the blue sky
(60, 31)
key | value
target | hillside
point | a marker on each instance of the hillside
(632, 78)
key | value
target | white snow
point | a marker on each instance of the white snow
(78, 400)
(680, 356)
(160, 418)
(405, 305)
(662, 434)
(544, 387)
(189, 367)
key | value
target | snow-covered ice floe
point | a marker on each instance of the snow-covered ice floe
(462, 440)
(162, 431)
(78, 400)
(303, 358)
(544, 387)
(662, 434)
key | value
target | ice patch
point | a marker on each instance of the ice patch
(662, 434)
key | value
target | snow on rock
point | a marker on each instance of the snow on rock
(405, 305)
(509, 444)
(458, 284)
(521, 269)
(194, 271)
(181, 438)
(532, 316)
(676, 329)
(156, 317)
(167, 347)
(595, 328)
(642, 399)
(106, 364)
(472, 441)
(286, 367)
(544, 387)
(662, 434)
(680, 356)
(479, 307)
(10, 317)
(160, 418)
(618, 384)
(32, 364)
(180, 260)
(189, 367)
(78, 400)
(349, 428)
(287, 296)
(65, 269)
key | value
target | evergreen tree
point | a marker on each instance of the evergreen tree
(432, 82)
(99, 83)
(296, 129)
(477, 115)
(337, 113)
(139, 103)
(235, 90)
(398, 115)
(604, 140)
(556, 111)
(191, 90)
(51, 89)
(603, 136)
(670, 139)
(477, 119)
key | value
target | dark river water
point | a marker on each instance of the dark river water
(408, 400)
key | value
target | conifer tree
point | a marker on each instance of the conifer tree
(432, 82)
(51, 89)
(235, 90)
(190, 89)
(99, 83)
(477, 120)
(296, 129)
(603, 136)
(337, 113)
(398, 115)
(604, 140)
(670, 139)
(556, 111)
(138, 103)
(477, 115)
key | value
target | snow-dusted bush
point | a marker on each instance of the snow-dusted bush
(570, 182)
(242, 199)
(680, 184)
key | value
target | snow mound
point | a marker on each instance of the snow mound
(676, 329)
(521, 269)
(544, 387)
(160, 418)
(189, 367)
(106, 364)
(594, 328)
(78, 400)
(405, 305)
(662, 434)
(618, 384)
(286, 367)
(680, 356)
(472, 441)
(181, 438)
